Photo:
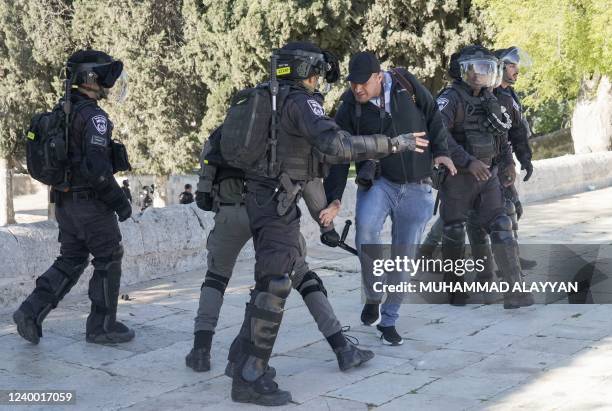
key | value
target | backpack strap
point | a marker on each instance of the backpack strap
(404, 82)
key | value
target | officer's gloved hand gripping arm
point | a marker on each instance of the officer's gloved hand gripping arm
(337, 146)
(98, 168)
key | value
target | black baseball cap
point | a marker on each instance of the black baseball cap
(361, 67)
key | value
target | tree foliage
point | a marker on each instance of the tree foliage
(568, 40)
(185, 58)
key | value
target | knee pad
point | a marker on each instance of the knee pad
(454, 233)
(311, 283)
(63, 274)
(501, 230)
(218, 282)
(279, 286)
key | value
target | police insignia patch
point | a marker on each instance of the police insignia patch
(515, 105)
(316, 108)
(442, 102)
(100, 124)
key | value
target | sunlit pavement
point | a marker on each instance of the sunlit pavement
(549, 357)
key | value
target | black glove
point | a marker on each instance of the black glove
(204, 200)
(519, 209)
(330, 238)
(404, 142)
(124, 211)
(367, 174)
(527, 165)
(113, 196)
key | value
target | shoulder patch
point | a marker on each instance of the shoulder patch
(515, 105)
(442, 102)
(99, 122)
(98, 141)
(316, 108)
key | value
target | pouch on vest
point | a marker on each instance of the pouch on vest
(120, 157)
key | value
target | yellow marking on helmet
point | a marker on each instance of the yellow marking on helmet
(31, 136)
(281, 71)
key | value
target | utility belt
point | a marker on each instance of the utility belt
(74, 195)
(229, 204)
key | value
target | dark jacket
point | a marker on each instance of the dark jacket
(518, 135)
(407, 115)
(90, 141)
(451, 106)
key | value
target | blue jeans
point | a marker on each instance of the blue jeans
(410, 207)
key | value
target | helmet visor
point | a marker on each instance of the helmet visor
(119, 92)
(479, 72)
(517, 56)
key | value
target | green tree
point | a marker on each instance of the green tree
(422, 35)
(230, 41)
(568, 40)
(160, 119)
(32, 46)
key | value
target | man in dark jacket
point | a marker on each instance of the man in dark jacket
(186, 196)
(391, 103)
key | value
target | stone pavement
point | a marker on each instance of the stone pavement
(555, 357)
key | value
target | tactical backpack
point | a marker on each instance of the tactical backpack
(246, 141)
(46, 146)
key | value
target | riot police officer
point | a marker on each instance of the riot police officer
(86, 208)
(510, 60)
(479, 147)
(306, 136)
(221, 189)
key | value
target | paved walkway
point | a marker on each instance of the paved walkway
(454, 358)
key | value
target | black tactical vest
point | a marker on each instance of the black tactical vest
(295, 153)
(471, 131)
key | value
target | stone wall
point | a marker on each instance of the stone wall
(164, 241)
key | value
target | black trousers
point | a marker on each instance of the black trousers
(276, 239)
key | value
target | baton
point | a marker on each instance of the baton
(341, 243)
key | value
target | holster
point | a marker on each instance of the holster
(288, 195)
(438, 176)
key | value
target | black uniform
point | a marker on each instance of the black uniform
(518, 137)
(186, 198)
(87, 225)
(466, 117)
(307, 138)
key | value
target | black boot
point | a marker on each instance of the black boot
(102, 325)
(27, 327)
(505, 249)
(51, 287)
(232, 356)
(250, 382)
(198, 359)
(347, 353)
(350, 356)
(453, 248)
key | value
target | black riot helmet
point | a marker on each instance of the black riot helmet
(87, 67)
(478, 66)
(299, 60)
(513, 56)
